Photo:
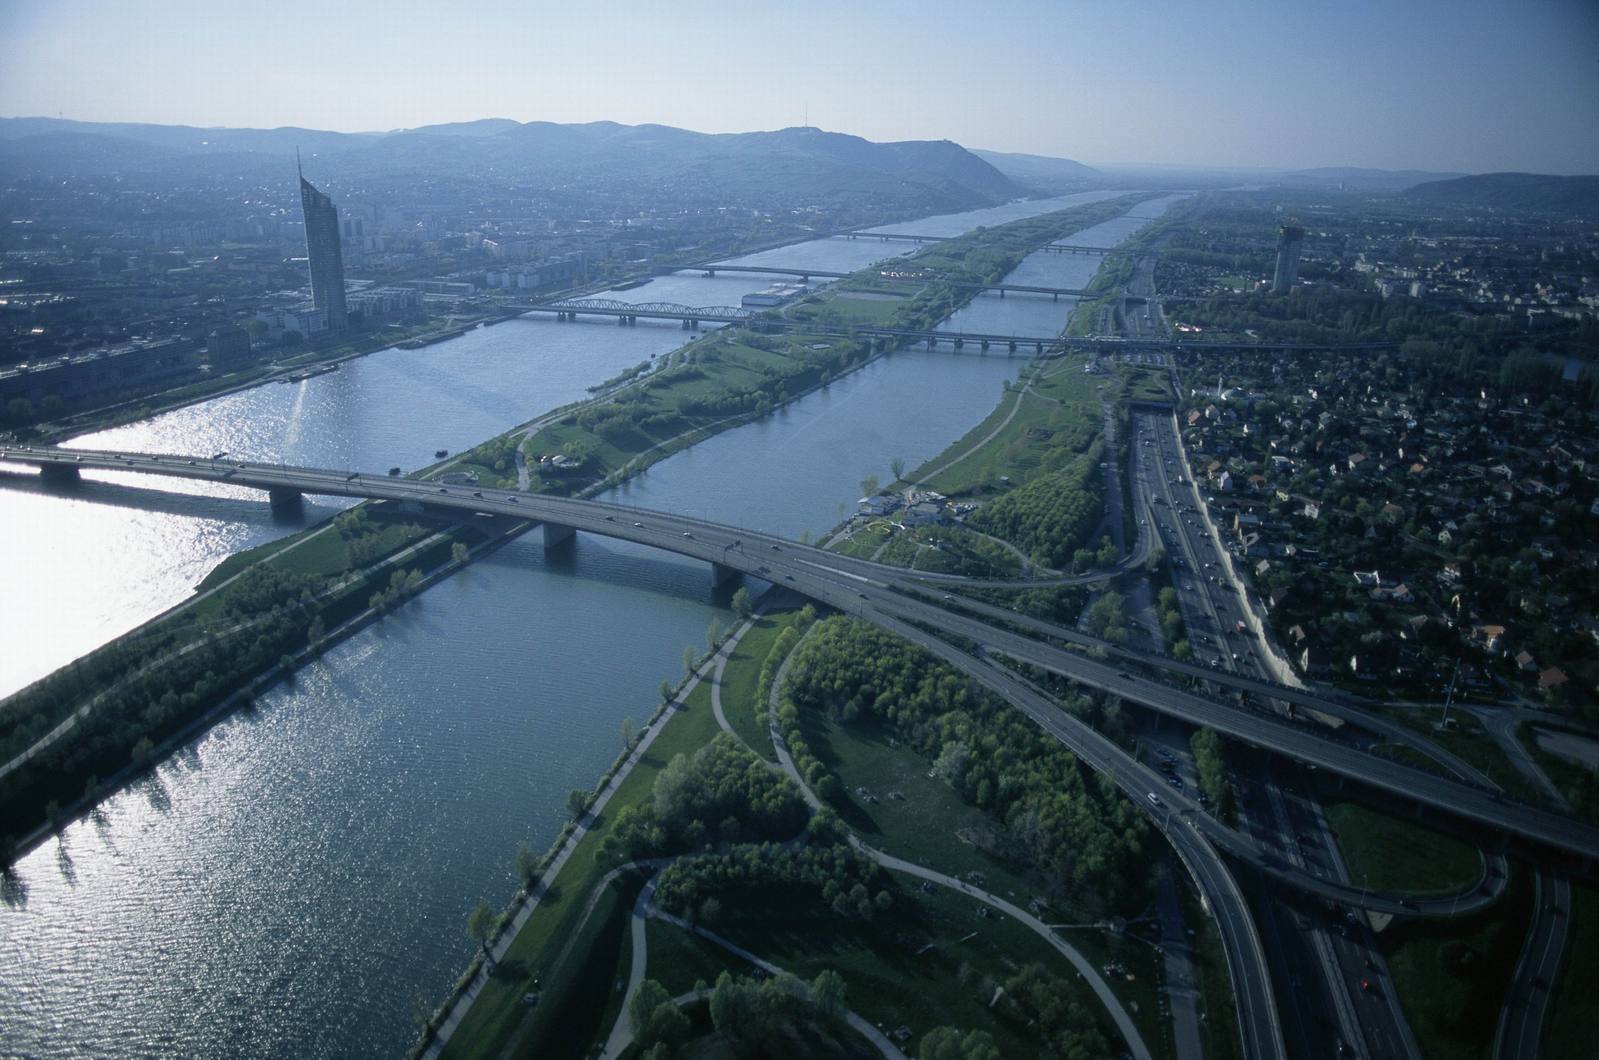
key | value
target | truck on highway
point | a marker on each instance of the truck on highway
(1240, 628)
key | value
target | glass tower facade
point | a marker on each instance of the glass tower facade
(327, 261)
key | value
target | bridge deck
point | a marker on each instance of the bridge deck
(861, 588)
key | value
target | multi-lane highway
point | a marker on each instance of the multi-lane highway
(877, 589)
(1317, 959)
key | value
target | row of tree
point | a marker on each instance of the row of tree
(845, 879)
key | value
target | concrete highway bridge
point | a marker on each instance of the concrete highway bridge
(630, 313)
(876, 592)
(712, 268)
(913, 237)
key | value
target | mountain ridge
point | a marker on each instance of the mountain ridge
(790, 166)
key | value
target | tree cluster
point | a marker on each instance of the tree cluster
(1073, 828)
(1207, 750)
(720, 794)
(1051, 515)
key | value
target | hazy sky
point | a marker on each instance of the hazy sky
(1470, 85)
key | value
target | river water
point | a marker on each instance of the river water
(289, 882)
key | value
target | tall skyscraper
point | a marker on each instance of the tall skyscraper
(322, 247)
(1289, 238)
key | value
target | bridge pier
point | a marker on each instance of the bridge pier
(1055, 297)
(985, 346)
(1012, 345)
(960, 343)
(1040, 347)
(721, 575)
(59, 474)
(286, 501)
(556, 535)
(710, 274)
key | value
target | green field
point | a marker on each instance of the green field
(1060, 404)
(1146, 384)
(1451, 976)
(930, 961)
(742, 676)
(1389, 853)
(931, 826)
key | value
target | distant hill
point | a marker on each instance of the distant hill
(1354, 178)
(793, 167)
(1041, 172)
(1571, 196)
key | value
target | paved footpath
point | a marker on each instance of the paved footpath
(1085, 967)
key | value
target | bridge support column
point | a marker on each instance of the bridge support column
(1040, 347)
(710, 273)
(1055, 297)
(985, 346)
(286, 501)
(556, 535)
(59, 474)
(721, 575)
(1002, 292)
(960, 343)
(1013, 346)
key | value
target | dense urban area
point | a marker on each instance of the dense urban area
(1221, 681)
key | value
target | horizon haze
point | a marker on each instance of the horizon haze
(1479, 87)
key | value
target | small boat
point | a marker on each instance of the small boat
(394, 472)
(440, 454)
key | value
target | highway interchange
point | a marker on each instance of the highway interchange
(1284, 840)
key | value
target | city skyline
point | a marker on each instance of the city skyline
(1476, 88)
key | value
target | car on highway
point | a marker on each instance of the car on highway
(1154, 800)
(687, 534)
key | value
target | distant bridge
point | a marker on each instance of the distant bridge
(629, 313)
(913, 237)
(712, 268)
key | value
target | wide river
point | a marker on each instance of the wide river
(295, 881)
